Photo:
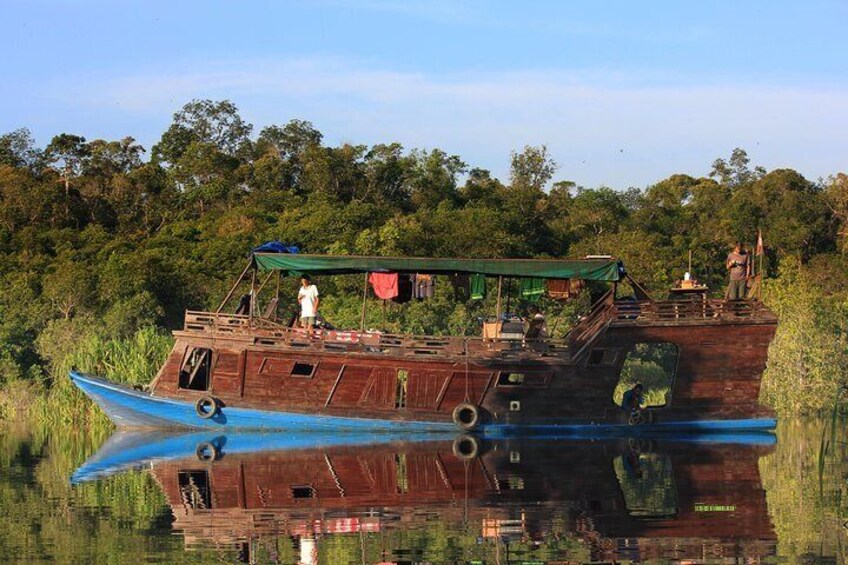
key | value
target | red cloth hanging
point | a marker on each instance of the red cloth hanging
(385, 285)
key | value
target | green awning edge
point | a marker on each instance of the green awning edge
(609, 270)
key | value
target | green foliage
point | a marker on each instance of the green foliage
(808, 360)
(69, 345)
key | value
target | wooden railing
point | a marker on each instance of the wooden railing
(262, 332)
(591, 325)
(604, 312)
(685, 311)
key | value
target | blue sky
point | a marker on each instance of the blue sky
(623, 93)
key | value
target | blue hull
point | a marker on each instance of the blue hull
(127, 407)
(126, 450)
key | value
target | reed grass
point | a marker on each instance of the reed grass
(133, 360)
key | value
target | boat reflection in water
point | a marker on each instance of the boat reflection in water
(608, 500)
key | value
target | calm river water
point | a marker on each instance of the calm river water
(70, 497)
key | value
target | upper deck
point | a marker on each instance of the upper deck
(606, 313)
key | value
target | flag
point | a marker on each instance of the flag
(759, 251)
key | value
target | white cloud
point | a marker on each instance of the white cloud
(602, 127)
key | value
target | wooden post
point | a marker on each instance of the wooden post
(277, 291)
(498, 306)
(253, 294)
(235, 286)
(268, 278)
(364, 303)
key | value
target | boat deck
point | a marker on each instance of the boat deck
(264, 333)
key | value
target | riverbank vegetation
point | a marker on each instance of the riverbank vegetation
(104, 245)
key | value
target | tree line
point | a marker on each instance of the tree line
(104, 236)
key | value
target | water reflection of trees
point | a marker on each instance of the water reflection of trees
(647, 483)
(806, 482)
(126, 516)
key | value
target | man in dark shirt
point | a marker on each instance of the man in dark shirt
(739, 267)
(632, 400)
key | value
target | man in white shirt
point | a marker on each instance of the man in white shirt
(308, 298)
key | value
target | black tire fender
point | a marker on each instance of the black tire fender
(206, 407)
(466, 416)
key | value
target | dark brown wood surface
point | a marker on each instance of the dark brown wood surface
(718, 375)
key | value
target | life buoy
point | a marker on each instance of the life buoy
(206, 407)
(466, 447)
(466, 416)
(206, 451)
(636, 418)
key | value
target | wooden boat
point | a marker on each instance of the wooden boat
(252, 371)
(620, 499)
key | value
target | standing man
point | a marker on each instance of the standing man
(739, 266)
(308, 298)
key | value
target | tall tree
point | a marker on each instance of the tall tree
(17, 149)
(532, 168)
(205, 121)
(734, 171)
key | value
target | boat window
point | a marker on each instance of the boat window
(194, 374)
(305, 491)
(400, 393)
(600, 356)
(194, 489)
(303, 370)
(647, 483)
(510, 379)
(526, 379)
(652, 364)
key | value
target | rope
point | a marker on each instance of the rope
(467, 371)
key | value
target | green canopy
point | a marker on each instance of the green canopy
(604, 269)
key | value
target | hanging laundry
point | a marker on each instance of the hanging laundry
(575, 287)
(563, 289)
(406, 285)
(558, 289)
(423, 286)
(385, 285)
(532, 289)
(461, 287)
(478, 286)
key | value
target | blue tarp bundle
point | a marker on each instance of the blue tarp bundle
(276, 247)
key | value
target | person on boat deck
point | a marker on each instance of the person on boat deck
(536, 326)
(308, 298)
(633, 400)
(739, 267)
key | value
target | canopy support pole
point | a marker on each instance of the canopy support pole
(235, 286)
(277, 291)
(364, 303)
(250, 311)
(508, 296)
(498, 306)
(268, 278)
